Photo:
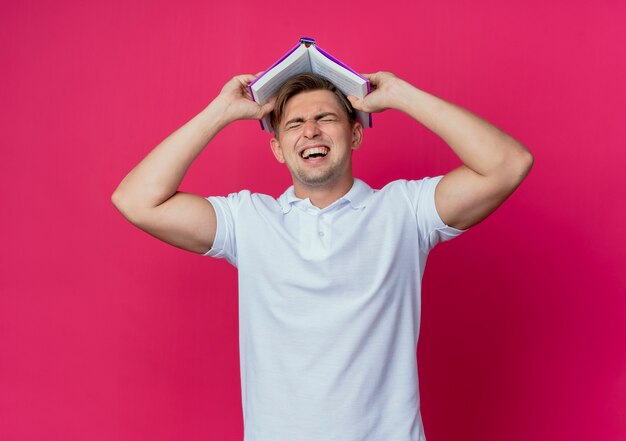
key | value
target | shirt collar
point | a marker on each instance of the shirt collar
(357, 196)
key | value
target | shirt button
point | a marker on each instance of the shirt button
(321, 233)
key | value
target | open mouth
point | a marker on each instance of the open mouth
(314, 152)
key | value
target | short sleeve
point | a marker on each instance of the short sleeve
(431, 228)
(225, 244)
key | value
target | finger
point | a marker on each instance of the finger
(374, 78)
(357, 103)
(245, 79)
(268, 107)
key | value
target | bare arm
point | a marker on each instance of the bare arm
(148, 196)
(494, 164)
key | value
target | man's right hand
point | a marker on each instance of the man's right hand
(237, 103)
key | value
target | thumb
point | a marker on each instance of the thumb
(357, 103)
(268, 107)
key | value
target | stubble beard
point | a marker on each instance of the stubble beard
(318, 178)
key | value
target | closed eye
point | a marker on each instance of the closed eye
(326, 117)
(293, 125)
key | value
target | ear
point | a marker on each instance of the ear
(277, 150)
(357, 135)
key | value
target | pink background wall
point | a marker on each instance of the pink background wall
(108, 334)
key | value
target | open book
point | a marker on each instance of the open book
(306, 56)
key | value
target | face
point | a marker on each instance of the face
(316, 140)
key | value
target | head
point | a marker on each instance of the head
(307, 82)
(315, 132)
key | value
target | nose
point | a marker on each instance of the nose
(310, 128)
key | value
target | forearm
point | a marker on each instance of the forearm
(157, 177)
(482, 147)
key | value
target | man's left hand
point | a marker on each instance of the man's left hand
(385, 90)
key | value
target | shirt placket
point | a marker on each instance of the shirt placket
(315, 233)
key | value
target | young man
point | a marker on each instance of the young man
(330, 272)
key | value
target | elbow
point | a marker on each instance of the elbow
(124, 206)
(526, 162)
(520, 166)
(118, 200)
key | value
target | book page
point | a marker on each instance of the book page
(267, 86)
(346, 81)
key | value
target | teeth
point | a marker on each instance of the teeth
(315, 150)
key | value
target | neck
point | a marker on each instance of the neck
(324, 195)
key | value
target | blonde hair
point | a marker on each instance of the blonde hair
(307, 82)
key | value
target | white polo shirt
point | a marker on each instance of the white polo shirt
(329, 309)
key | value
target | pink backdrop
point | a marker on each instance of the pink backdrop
(108, 334)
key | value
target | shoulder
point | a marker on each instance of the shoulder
(410, 188)
(246, 200)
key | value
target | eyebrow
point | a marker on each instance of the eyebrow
(317, 117)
